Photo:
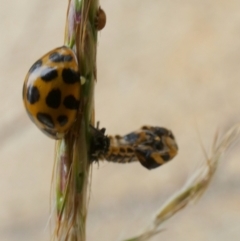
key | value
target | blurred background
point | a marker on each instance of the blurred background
(174, 64)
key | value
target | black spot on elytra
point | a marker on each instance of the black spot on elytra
(50, 133)
(144, 157)
(160, 131)
(171, 135)
(62, 120)
(49, 74)
(158, 145)
(70, 76)
(150, 164)
(36, 65)
(165, 157)
(57, 57)
(53, 98)
(45, 119)
(33, 94)
(71, 103)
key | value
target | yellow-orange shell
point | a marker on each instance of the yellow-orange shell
(51, 92)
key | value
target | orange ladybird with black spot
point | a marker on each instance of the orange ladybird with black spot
(51, 92)
(152, 146)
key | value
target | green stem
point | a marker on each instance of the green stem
(72, 152)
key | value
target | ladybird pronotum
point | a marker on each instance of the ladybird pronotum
(51, 92)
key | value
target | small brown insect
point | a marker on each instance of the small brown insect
(101, 19)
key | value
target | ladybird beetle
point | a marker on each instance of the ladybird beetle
(155, 146)
(151, 146)
(101, 19)
(51, 92)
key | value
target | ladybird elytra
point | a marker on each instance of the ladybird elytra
(51, 92)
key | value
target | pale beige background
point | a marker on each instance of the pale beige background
(168, 63)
